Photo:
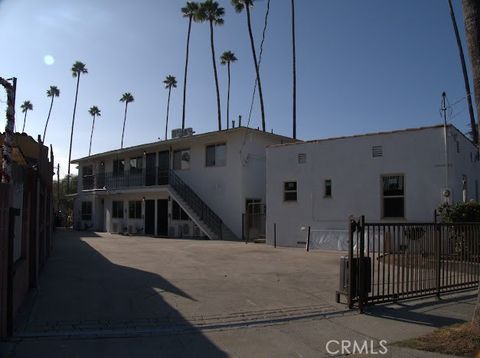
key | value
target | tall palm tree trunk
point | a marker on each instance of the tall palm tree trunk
(124, 120)
(91, 136)
(473, 125)
(48, 118)
(294, 69)
(471, 14)
(212, 46)
(257, 70)
(186, 71)
(71, 134)
(168, 110)
(24, 120)
(228, 96)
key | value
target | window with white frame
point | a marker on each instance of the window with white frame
(290, 191)
(135, 209)
(87, 177)
(181, 159)
(86, 210)
(393, 190)
(136, 165)
(117, 209)
(216, 155)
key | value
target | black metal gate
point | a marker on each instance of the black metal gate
(393, 261)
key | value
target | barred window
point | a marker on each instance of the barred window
(135, 209)
(290, 191)
(393, 196)
(117, 209)
(86, 210)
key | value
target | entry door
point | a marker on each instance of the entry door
(163, 167)
(150, 217)
(162, 217)
(150, 169)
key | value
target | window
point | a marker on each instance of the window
(87, 179)
(328, 188)
(86, 210)
(216, 155)
(117, 209)
(290, 191)
(181, 159)
(177, 212)
(302, 158)
(393, 196)
(118, 167)
(135, 209)
(136, 165)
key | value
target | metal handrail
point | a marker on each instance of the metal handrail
(196, 203)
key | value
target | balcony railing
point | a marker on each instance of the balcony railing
(111, 180)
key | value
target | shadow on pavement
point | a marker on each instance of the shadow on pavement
(431, 312)
(84, 295)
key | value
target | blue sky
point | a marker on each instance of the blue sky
(362, 66)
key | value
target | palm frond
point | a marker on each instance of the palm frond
(127, 97)
(94, 111)
(26, 106)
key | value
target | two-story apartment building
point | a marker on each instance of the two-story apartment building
(195, 185)
(392, 176)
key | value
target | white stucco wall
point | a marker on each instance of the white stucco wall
(224, 189)
(356, 181)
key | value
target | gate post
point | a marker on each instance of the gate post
(351, 232)
(438, 257)
(361, 273)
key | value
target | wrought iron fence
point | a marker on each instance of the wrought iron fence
(393, 261)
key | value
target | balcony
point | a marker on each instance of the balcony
(122, 180)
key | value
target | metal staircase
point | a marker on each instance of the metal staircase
(199, 212)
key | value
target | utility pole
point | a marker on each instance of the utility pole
(11, 89)
(445, 133)
(466, 81)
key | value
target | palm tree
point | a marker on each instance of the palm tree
(26, 106)
(188, 11)
(94, 112)
(170, 81)
(294, 72)
(78, 69)
(473, 125)
(210, 11)
(127, 98)
(239, 5)
(471, 13)
(52, 93)
(227, 58)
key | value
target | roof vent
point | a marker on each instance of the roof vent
(302, 158)
(377, 151)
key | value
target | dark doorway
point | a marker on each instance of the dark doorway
(162, 217)
(150, 217)
(150, 169)
(163, 167)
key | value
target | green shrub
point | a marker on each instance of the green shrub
(460, 212)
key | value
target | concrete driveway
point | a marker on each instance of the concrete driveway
(104, 295)
(100, 281)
